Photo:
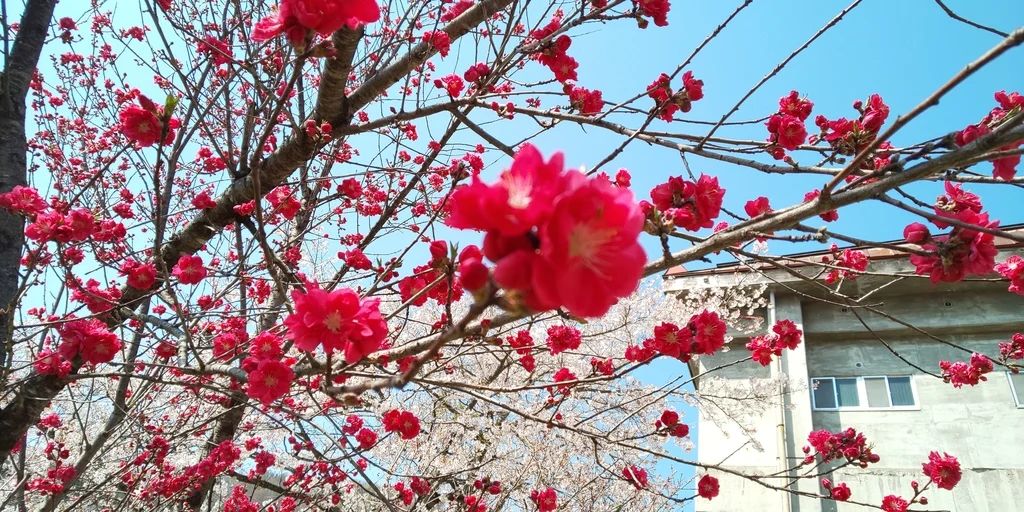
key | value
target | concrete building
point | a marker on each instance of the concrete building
(847, 373)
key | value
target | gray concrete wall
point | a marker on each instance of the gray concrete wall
(981, 425)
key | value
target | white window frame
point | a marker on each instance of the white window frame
(862, 394)
(1013, 390)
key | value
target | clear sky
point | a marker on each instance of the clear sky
(902, 50)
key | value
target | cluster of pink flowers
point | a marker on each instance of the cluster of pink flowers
(553, 53)
(220, 459)
(546, 500)
(1012, 349)
(562, 338)
(284, 202)
(635, 475)
(848, 137)
(434, 274)
(57, 476)
(87, 338)
(452, 84)
(417, 487)
(585, 101)
(893, 503)
(477, 73)
(687, 204)
(269, 377)
(455, 9)
(140, 276)
(75, 226)
(668, 102)
(364, 436)
(146, 124)
(669, 423)
(22, 200)
(944, 470)
(707, 487)
(189, 269)
(522, 342)
(548, 230)
(840, 492)
(440, 40)
(404, 422)
(785, 335)
(703, 334)
(1004, 167)
(339, 320)
(964, 251)
(657, 10)
(604, 367)
(492, 487)
(97, 300)
(1013, 270)
(295, 18)
(847, 444)
(54, 482)
(563, 375)
(217, 50)
(970, 373)
(850, 263)
(786, 130)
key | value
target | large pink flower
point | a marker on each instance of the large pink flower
(943, 469)
(521, 198)
(269, 381)
(339, 320)
(589, 254)
(559, 239)
(294, 17)
(140, 125)
(88, 338)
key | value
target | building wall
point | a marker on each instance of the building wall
(982, 425)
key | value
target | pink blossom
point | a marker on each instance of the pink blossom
(404, 422)
(294, 17)
(707, 487)
(893, 503)
(189, 269)
(269, 381)
(944, 470)
(339, 320)
(546, 500)
(88, 338)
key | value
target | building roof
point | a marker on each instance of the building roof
(803, 259)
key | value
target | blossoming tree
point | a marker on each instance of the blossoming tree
(240, 266)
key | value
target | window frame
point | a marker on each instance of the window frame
(862, 394)
(1013, 390)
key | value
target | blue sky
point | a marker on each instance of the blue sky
(903, 50)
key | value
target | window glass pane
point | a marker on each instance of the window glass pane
(1018, 387)
(878, 395)
(899, 389)
(824, 393)
(847, 391)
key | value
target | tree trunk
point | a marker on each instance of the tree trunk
(18, 70)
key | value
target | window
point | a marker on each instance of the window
(1017, 387)
(867, 393)
(846, 393)
(824, 393)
